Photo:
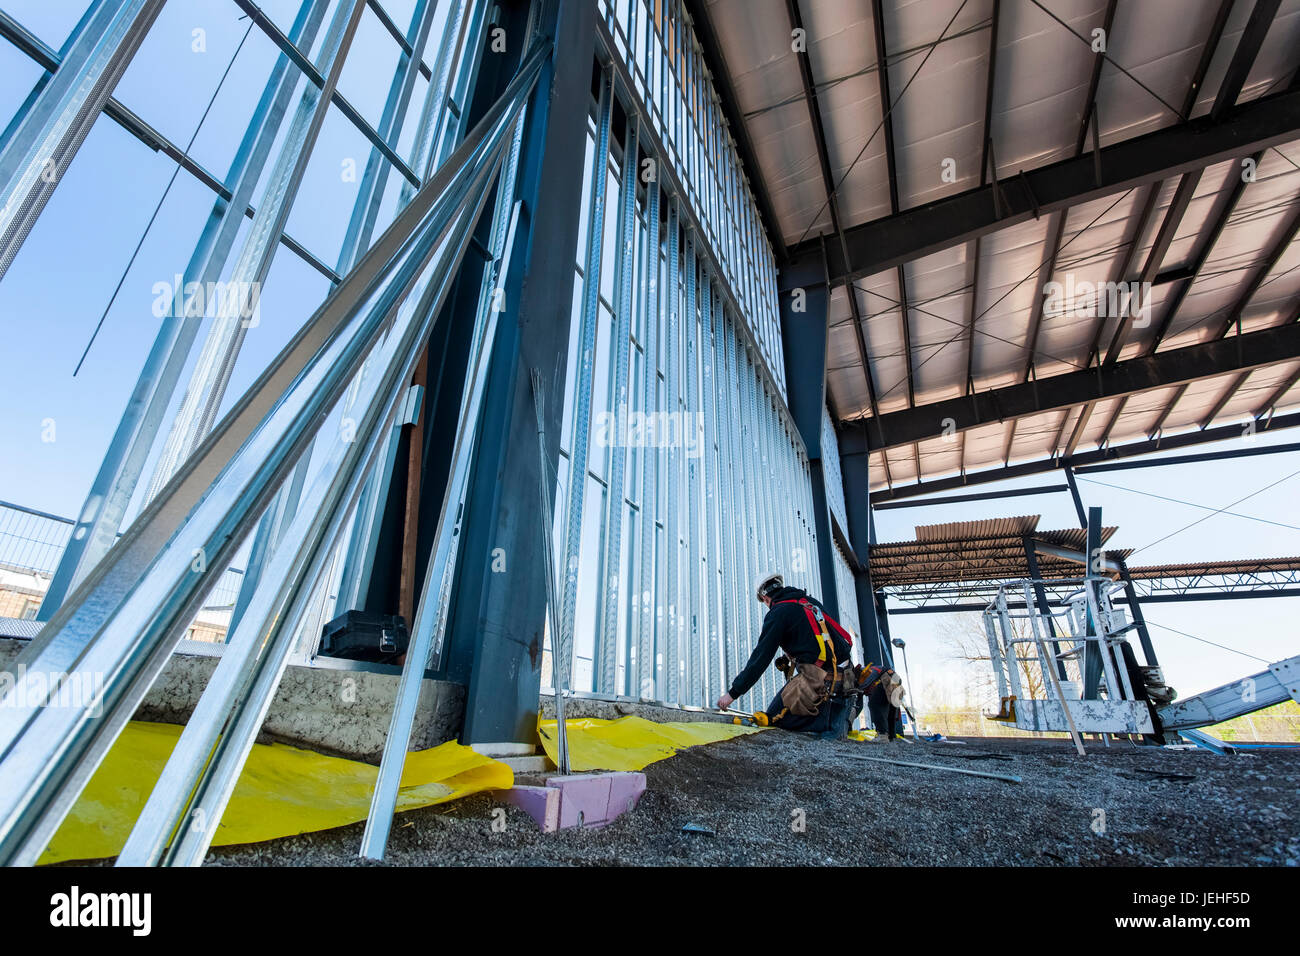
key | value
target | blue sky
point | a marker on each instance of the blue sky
(1268, 627)
(57, 288)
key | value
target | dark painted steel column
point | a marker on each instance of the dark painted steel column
(1092, 664)
(862, 535)
(1135, 608)
(1144, 636)
(1040, 597)
(1074, 494)
(499, 601)
(803, 340)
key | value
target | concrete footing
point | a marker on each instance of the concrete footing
(575, 707)
(339, 712)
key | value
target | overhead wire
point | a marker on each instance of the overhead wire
(1190, 504)
(163, 198)
(1105, 56)
(1231, 504)
(896, 58)
(1205, 641)
(879, 126)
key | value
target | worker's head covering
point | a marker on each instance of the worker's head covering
(768, 584)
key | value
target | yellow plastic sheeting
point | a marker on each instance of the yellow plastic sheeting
(282, 791)
(631, 743)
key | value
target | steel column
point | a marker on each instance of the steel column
(651, 593)
(496, 620)
(804, 340)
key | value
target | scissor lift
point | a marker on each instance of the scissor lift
(1084, 620)
(1128, 699)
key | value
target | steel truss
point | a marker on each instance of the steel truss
(1212, 581)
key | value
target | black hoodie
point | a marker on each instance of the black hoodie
(785, 627)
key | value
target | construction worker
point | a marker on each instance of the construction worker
(884, 692)
(819, 675)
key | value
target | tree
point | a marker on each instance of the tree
(966, 642)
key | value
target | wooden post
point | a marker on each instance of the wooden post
(411, 521)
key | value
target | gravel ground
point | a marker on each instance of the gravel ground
(1151, 807)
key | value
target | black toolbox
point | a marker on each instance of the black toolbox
(365, 636)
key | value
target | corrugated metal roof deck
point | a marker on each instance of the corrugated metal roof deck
(975, 318)
(991, 549)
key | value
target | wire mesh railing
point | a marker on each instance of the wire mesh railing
(31, 540)
(31, 544)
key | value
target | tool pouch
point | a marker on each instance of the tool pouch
(846, 682)
(805, 692)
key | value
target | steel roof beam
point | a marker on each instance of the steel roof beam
(882, 75)
(1113, 454)
(1058, 228)
(1173, 367)
(1188, 275)
(1243, 58)
(828, 182)
(1146, 599)
(913, 233)
(1159, 248)
(985, 157)
(891, 167)
(984, 496)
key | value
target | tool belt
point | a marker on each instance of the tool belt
(807, 690)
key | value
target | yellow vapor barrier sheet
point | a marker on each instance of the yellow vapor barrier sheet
(631, 743)
(283, 791)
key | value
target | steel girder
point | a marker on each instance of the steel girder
(1173, 367)
(1110, 454)
(889, 241)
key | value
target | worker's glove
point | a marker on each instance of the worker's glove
(785, 666)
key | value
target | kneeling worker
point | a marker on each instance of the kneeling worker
(819, 674)
(884, 690)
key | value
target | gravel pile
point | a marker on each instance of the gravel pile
(779, 798)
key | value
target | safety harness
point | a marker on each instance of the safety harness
(820, 624)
